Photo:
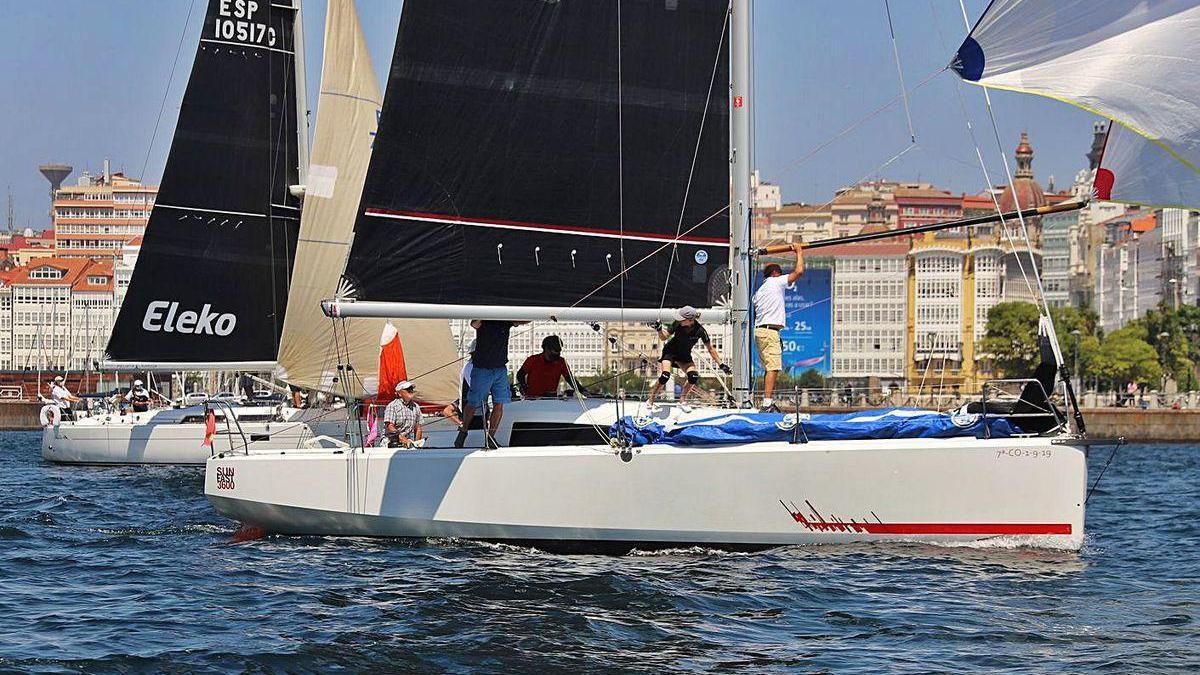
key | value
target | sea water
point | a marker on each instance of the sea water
(128, 570)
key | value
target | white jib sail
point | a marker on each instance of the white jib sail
(309, 350)
(1136, 62)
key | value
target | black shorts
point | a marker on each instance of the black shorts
(677, 360)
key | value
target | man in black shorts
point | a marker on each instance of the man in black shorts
(681, 337)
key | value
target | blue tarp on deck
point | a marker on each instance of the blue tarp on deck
(750, 427)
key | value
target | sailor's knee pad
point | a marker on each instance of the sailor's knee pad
(664, 378)
(693, 377)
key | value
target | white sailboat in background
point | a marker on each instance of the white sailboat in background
(217, 260)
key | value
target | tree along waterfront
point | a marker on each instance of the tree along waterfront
(1156, 352)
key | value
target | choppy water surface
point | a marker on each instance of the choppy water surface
(127, 569)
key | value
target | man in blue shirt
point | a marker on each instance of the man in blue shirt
(489, 376)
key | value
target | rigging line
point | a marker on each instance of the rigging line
(858, 123)
(1004, 229)
(280, 146)
(1040, 292)
(621, 198)
(687, 189)
(718, 212)
(899, 71)
(170, 78)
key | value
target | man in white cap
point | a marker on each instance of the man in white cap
(681, 337)
(63, 398)
(138, 397)
(402, 418)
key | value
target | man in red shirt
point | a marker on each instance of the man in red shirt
(540, 373)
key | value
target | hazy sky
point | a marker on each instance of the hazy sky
(82, 80)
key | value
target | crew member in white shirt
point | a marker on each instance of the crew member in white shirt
(770, 316)
(63, 398)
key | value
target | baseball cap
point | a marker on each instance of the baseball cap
(58, 378)
(137, 383)
(405, 384)
(688, 312)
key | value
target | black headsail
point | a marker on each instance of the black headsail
(507, 132)
(211, 281)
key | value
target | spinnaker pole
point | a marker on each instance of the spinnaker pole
(741, 202)
(932, 227)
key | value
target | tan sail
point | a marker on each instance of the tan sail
(312, 344)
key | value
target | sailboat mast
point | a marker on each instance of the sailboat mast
(301, 95)
(740, 205)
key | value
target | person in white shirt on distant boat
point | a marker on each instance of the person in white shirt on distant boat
(770, 317)
(63, 398)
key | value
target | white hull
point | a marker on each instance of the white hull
(163, 437)
(1025, 491)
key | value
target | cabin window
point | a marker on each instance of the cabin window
(540, 434)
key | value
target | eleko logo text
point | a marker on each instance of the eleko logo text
(164, 316)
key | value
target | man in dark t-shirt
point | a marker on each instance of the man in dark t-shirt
(489, 375)
(681, 337)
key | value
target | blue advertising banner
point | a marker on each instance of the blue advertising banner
(806, 336)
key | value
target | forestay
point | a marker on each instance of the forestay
(211, 281)
(1134, 61)
(522, 144)
(309, 351)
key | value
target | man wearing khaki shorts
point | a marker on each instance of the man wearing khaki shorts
(770, 317)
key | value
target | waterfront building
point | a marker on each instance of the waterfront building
(1057, 245)
(869, 329)
(795, 223)
(953, 282)
(6, 317)
(1179, 255)
(923, 204)
(1128, 280)
(61, 313)
(99, 215)
(1089, 234)
(855, 207)
(767, 199)
(632, 347)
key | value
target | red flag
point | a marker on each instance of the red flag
(210, 427)
(391, 364)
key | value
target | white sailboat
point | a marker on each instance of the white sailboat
(217, 259)
(569, 476)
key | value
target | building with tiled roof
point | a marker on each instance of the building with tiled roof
(923, 204)
(61, 312)
(793, 223)
(855, 207)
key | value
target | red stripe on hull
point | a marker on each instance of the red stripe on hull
(967, 528)
(819, 523)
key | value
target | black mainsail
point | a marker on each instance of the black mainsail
(521, 142)
(211, 282)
